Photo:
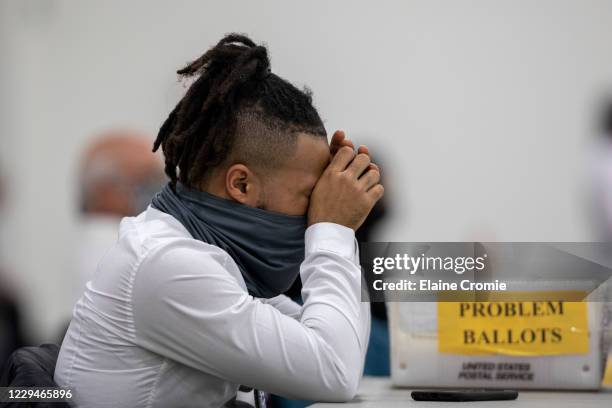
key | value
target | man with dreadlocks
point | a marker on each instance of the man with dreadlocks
(188, 304)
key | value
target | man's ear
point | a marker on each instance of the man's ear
(242, 185)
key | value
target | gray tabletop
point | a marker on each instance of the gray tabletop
(377, 392)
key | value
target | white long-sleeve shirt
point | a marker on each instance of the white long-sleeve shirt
(167, 321)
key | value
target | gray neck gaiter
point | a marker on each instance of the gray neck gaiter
(268, 247)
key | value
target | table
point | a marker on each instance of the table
(376, 392)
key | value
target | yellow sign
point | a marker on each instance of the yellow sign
(517, 328)
(607, 378)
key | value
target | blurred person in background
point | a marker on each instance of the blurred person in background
(377, 361)
(11, 333)
(603, 175)
(118, 176)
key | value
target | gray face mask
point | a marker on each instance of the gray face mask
(268, 247)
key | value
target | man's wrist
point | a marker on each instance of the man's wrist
(331, 237)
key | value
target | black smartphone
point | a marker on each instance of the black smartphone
(464, 395)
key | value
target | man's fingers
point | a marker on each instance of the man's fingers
(342, 159)
(337, 137)
(376, 192)
(369, 179)
(339, 140)
(345, 142)
(358, 165)
(363, 149)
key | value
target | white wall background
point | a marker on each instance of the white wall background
(482, 110)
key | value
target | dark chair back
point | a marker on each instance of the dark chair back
(31, 367)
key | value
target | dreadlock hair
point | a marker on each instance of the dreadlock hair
(235, 110)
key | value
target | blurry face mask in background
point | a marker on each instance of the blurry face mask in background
(98, 226)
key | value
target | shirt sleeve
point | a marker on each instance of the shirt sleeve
(189, 308)
(285, 305)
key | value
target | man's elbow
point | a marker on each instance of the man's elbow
(348, 392)
(344, 388)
